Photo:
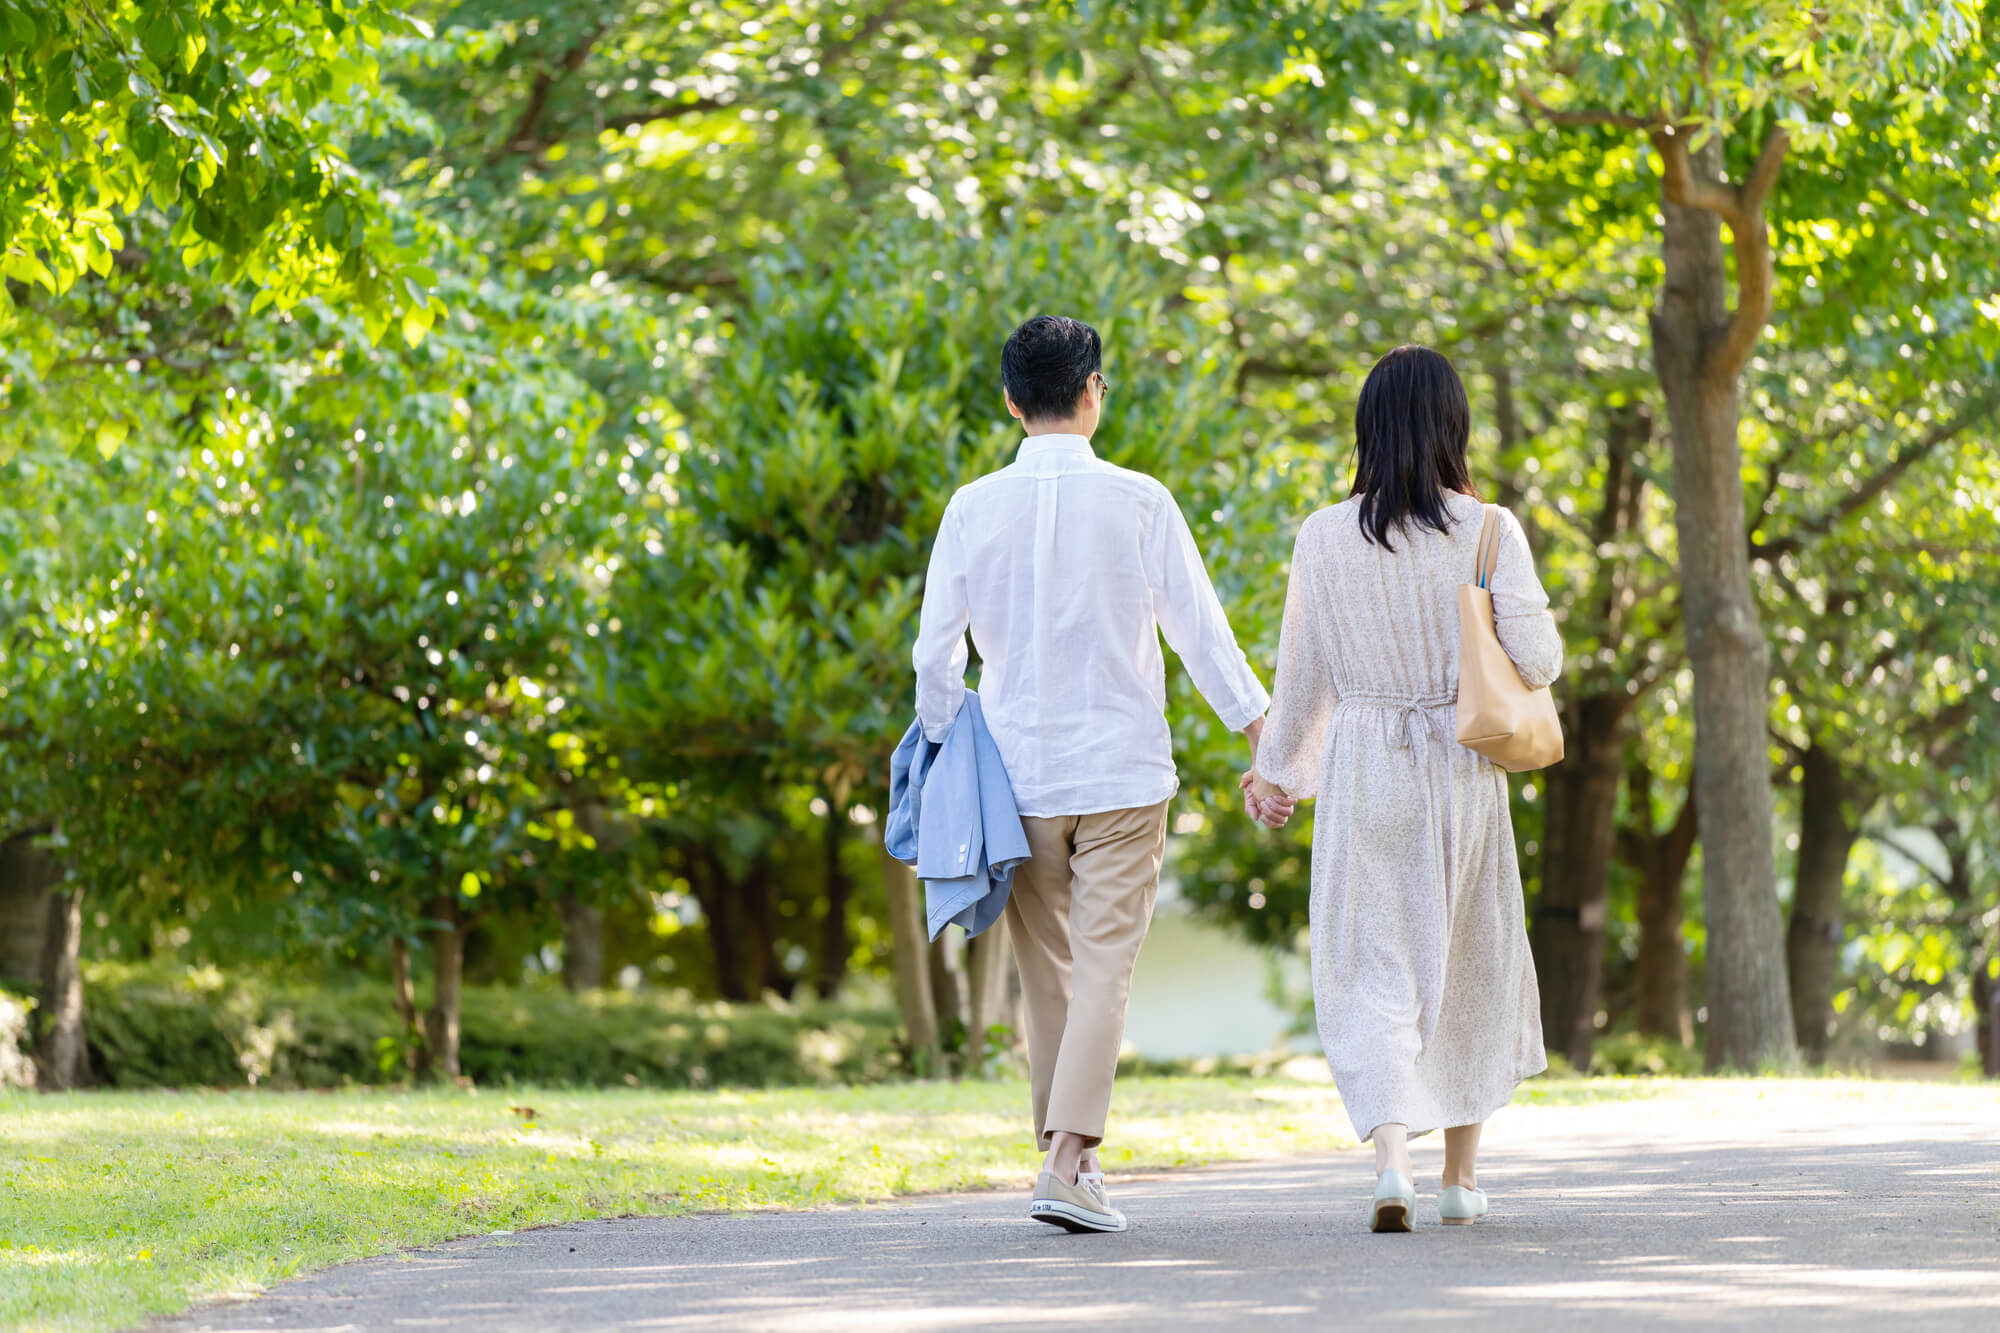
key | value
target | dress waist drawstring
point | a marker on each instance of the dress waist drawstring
(1414, 717)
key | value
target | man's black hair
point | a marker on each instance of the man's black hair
(1047, 364)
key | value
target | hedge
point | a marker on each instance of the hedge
(151, 1028)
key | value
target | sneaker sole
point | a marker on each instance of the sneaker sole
(1071, 1218)
(1389, 1216)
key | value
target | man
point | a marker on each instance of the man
(1066, 569)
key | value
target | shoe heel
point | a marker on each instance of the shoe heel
(1389, 1216)
(1390, 1209)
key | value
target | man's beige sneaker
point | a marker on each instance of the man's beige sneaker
(1083, 1206)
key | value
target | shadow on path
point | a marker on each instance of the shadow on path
(1621, 1217)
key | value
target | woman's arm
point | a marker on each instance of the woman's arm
(1521, 609)
(1302, 703)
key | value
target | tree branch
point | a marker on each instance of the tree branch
(1264, 368)
(1753, 259)
(1686, 827)
(1794, 444)
(1683, 187)
(1645, 681)
(521, 138)
(1763, 176)
(1585, 115)
(664, 111)
(1904, 850)
(1883, 477)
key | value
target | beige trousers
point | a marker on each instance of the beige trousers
(1078, 913)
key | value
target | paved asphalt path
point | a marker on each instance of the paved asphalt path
(1817, 1213)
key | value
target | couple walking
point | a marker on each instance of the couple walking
(1066, 569)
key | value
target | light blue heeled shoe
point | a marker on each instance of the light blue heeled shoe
(1395, 1200)
(1461, 1207)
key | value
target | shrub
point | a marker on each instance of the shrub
(1630, 1054)
(200, 1027)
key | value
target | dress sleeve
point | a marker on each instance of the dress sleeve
(1303, 695)
(1521, 609)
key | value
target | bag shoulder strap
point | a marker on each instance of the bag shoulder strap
(1489, 547)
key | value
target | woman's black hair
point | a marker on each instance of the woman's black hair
(1410, 429)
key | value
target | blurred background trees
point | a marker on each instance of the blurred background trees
(470, 473)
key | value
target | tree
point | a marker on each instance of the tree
(834, 417)
(1887, 664)
(386, 549)
(227, 118)
(1721, 91)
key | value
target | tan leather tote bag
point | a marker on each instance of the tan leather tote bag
(1498, 715)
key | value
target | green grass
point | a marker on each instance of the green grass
(116, 1206)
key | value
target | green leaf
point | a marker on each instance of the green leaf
(110, 435)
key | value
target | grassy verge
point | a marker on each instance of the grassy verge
(115, 1206)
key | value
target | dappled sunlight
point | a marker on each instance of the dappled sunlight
(1718, 1290)
(1587, 1225)
(30, 1256)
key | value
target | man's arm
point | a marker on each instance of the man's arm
(1191, 616)
(940, 655)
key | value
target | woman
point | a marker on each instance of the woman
(1421, 973)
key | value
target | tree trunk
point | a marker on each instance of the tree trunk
(447, 945)
(1986, 1003)
(949, 996)
(722, 918)
(1831, 803)
(834, 943)
(1979, 944)
(1749, 1006)
(403, 995)
(759, 895)
(1581, 827)
(583, 945)
(912, 960)
(27, 874)
(61, 1057)
(988, 971)
(1660, 978)
(1580, 811)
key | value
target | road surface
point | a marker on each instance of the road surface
(1720, 1208)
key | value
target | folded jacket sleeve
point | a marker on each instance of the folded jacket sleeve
(1303, 696)
(940, 655)
(1191, 616)
(1521, 609)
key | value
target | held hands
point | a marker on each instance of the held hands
(1265, 802)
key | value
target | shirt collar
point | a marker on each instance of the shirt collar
(1049, 444)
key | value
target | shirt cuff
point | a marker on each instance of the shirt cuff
(1245, 709)
(936, 728)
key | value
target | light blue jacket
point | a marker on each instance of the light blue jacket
(952, 816)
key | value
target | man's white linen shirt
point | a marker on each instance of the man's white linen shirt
(1067, 569)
